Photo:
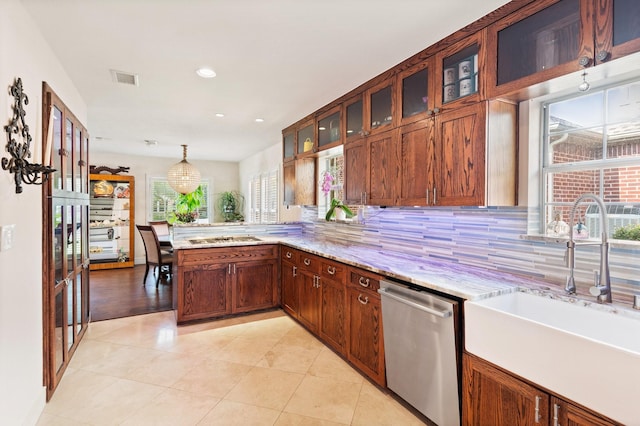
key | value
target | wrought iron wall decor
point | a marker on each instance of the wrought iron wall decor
(20, 151)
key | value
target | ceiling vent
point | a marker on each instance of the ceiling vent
(124, 78)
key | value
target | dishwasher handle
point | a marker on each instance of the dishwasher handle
(427, 309)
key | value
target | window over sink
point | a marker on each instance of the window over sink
(591, 144)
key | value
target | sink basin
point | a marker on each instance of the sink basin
(224, 239)
(585, 354)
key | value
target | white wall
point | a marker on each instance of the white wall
(266, 161)
(25, 54)
(222, 176)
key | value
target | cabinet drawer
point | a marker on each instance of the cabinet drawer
(309, 262)
(364, 280)
(333, 270)
(226, 254)
(289, 254)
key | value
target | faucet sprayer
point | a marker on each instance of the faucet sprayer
(602, 280)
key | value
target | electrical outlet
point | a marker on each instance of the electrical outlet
(6, 236)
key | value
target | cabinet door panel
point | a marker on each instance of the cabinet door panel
(383, 169)
(309, 301)
(493, 397)
(289, 183)
(254, 285)
(355, 172)
(566, 414)
(332, 328)
(289, 289)
(205, 292)
(461, 157)
(365, 347)
(417, 162)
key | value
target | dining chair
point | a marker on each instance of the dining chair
(162, 231)
(155, 256)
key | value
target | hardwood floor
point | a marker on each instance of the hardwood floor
(116, 293)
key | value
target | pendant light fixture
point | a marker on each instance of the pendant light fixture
(183, 177)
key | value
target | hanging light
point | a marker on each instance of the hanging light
(183, 177)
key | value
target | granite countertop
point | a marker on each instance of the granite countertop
(457, 280)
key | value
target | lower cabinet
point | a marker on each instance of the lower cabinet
(212, 282)
(339, 304)
(365, 346)
(492, 396)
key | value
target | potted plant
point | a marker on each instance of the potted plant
(230, 204)
(187, 206)
(339, 210)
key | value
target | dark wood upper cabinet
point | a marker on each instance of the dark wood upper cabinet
(415, 92)
(379, 108)
(355, 172)
(354, 113)
(329, 129)
(550, 38)
(306, 139)
(288, 146)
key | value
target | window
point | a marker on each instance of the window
(592, 145)
(264, 197)
(331, 182)
(162, 200)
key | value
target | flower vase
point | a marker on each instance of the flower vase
(340, 214)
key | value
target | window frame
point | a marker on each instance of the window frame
(264, 209)
(206, 208)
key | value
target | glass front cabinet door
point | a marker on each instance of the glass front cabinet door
(379, 107)
(460, 72)
(306, 139)
(329, 129)
(415, 93)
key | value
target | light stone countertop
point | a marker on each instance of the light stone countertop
(466, 282)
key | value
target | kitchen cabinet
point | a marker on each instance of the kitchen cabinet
(417, 163)
(333, 309)
(354, 119)
(289, 281)
(379, 107)
(111, 221)
(309, 291)
(493, 396)
(355, 172)
(306, 139)
(382, 168)
(460, 73)
(365, 343)
(288, 146)
(415, 92)
(550, 38)
(330, 129)
(299, 182)
(212, 282)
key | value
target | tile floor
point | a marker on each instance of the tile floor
(262, 369)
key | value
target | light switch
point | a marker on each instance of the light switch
(6, 236)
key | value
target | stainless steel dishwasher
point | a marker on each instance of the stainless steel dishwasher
(420, 350)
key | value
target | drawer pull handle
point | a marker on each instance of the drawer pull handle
(331, 270)
(365, 301)
(364, 282)
(295, 268)
(537, 410)
(556, 415)
(288, 255)
(307, 261)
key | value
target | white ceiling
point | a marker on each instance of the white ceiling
(276, 59)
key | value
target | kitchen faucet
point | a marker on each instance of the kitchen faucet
(602, 281)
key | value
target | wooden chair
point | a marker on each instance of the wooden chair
(155, 256)
(162, 231)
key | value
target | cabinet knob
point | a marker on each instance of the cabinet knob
(288, 255)
(331, 270)
(364, 282)
(436, 110)
(602, 56)
(307, 261)
(584, 61)
(362, 300)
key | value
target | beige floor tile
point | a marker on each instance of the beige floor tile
(212, 377)
(330, 365)
(47, 419)
(272, 327)
(205, 342)
(376, 408)
(166, 369)
(325, 398)
(112, 359)
(246, 351)
(266, 387)
(285, 357)
(298, 336)
(76, 389)
(290, 419)
(173, 407)
(115, 403)
(229, 413)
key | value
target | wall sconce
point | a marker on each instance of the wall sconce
(18, 163)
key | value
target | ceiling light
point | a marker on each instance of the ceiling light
(183, 177)
(151, 142)
(219, 114)
(206, 72)
(259, 120)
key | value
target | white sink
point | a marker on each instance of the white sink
(584, 354)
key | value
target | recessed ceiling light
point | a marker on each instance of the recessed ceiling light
(151, 142)
(219, 114)
(259, 120)
(205, 72)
